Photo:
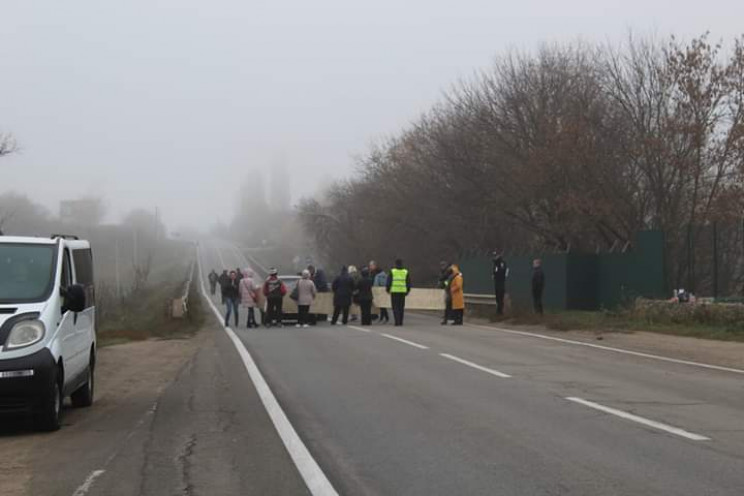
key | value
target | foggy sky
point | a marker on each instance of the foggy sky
(172, 103)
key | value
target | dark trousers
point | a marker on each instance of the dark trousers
(457, 316)
(384, 317)
(274, 310)
(537, 304)
(232, 306)
(366, 307)
(251, 322)
(500, 300)
(448, 311)
(399, 307)
(302, 311)
(337, 310)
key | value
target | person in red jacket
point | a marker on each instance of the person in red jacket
(274, 290)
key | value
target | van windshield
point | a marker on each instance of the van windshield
(26, 272)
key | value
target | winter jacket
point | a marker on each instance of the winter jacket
(499, 273)
(248, 292)
(223, 279)
(321, 283)
(343, 289)
(538, 280)
(457, 290)
(274, 288)
(364, 289)
(306, 291)
(381, 279)
(231, 289)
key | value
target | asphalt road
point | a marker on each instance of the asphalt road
(426, 409)
(417, 410)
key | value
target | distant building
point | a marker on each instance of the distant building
(83, 212)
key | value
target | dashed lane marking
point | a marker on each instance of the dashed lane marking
(475, 366)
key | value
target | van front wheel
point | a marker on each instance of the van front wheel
(48, 417)
(84, 395)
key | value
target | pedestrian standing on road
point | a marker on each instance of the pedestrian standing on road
(354, 274)
(240, 274)
(380, 282)
(457, 295)
(499, 273)
(223, 279)
(364, 296)
(538, 285)
(343, 290)
(274, 290)
(249, 296)
(231, 293)
(445, 274)
(319, 278)
(306, 293)
(398, 286)
(213, 279)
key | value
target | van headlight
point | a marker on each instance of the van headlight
(25, 333)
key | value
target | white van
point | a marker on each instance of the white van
(47, 326)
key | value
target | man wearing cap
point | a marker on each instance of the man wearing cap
(274, 290)
(499, 273)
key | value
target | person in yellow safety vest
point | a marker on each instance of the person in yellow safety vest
(398, 286)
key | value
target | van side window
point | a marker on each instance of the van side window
(83, 260)
(66, 272)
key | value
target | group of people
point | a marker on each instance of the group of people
(500, 272)
(241, 288)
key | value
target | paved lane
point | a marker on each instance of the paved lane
(383, 416)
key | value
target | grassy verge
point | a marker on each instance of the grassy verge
(701, 325)
(146, 314)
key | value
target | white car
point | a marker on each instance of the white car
(47, 326)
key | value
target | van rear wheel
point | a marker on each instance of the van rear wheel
(49, 416)
(84, 395)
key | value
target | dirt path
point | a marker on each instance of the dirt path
(129, 378)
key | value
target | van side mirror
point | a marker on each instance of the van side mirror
(74, 298)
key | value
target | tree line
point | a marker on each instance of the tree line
(572, 147)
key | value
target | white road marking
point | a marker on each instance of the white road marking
(410, 343)
(358, 328)
(610, 348)
(641, 420)
(311, 473)
(85, 486)
(475, 366)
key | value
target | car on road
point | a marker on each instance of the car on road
(47, 326)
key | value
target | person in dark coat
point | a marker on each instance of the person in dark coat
(445, 273)
(319, 278)
(223, 279)
(538, 285)
(499, 273)
(364, 295)
(231, 294)
(343, 291)
(213, 279)
(274, 290)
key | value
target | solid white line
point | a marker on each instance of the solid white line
(641, 420)
(411, 343)
(85, 486)
(358, 328)
(475, 366)
(311, 473)
(610, 348)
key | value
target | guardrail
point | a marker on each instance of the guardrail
(480, 299)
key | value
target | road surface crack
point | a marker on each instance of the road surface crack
(184, 460)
